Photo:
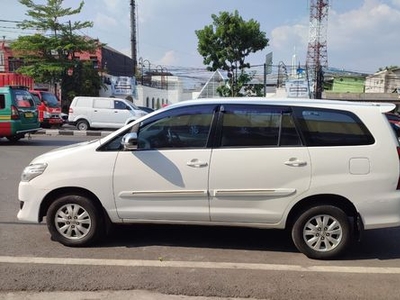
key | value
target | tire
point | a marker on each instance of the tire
(74, 221)
(322, 232)
(14, 138)
(82, 125)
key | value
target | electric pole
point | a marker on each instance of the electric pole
(133, 36)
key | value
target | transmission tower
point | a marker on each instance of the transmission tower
(317, 54)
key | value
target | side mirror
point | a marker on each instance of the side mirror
(130, 141)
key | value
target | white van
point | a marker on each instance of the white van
(101, 112)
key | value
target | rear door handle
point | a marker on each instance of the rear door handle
(195, 163)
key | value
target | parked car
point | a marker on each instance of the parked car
(18, 113)
(325, 170)
(101, 112)
(146, 109)
(49, 108)
(393, 118)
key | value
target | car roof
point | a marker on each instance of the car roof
(383, 107)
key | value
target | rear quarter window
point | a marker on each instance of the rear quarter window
(327, 127)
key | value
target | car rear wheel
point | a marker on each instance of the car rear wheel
(82, 125)
(74, 220)
(322, 232)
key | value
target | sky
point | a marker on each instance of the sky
(362, 35)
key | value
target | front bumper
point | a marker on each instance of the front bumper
(30, 200)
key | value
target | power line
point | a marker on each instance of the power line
(10, 21)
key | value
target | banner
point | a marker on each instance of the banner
(123, 86)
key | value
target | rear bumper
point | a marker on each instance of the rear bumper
(53, 121)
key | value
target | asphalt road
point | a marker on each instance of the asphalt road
(152, 261)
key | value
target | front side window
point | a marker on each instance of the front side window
(328, 127)
(258, 126)
(180, 128)
(119, 105)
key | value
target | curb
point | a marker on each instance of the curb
(72, 132)
(103, 295)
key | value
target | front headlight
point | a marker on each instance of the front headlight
(32, 171)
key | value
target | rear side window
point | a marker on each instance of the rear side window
(83, 102)
(327, 127)
(258, 126)
(102, 103)
(2, 101)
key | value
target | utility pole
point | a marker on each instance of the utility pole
(133, 36)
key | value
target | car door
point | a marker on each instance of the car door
(166, 178)
(28, 114)
(102, 112)
(120, 113)
(260, 166)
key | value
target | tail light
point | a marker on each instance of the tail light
(14, 113)
(71, 110)
(398, 181)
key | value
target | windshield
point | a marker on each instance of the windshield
(23, 99)
(133, 106)
(50, 99)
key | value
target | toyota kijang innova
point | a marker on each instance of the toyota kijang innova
(325, 170)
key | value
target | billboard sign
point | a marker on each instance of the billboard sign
(123, 86)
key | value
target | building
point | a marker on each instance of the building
(154, 89)
(386, 81)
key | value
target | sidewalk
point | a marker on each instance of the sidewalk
(106, 295)
(72, 132)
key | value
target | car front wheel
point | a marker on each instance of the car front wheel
(74, 220)
(322, 232)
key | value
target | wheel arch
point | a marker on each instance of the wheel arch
(83, 119)
(53, 195)
(324, 199)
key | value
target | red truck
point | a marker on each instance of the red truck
(49, 107)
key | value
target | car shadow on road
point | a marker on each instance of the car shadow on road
(382, 244)
(199, 237)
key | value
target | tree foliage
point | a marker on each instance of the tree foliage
(48, 55)
(226, 43)
(84, 81)
(388, 68)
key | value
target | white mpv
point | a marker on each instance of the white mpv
(325, 170)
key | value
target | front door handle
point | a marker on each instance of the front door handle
(195, 163)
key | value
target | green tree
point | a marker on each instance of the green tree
(48, 55)
(226, 43)
(388, 68)
(84, 81)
